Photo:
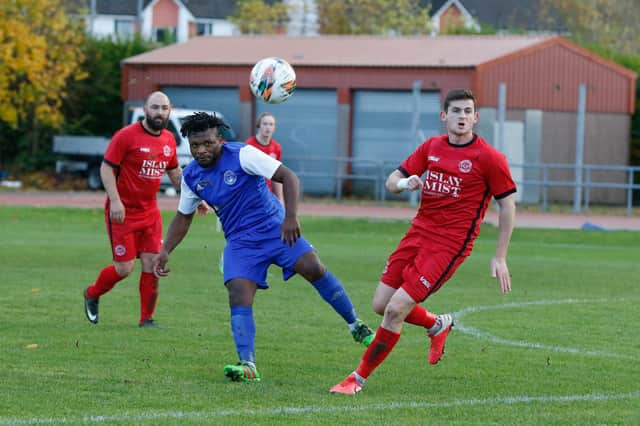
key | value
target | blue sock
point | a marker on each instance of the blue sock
(332, 291)
(243, 328)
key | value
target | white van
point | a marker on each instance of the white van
(84, 154)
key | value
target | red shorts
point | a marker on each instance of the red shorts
(137, 234)
(419, 267)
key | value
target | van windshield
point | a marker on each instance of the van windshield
(176, 134)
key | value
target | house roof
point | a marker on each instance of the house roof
(434, 4)
(218, 9)
(504, 14)
(341, 51)
(508, 14)
(117, 7)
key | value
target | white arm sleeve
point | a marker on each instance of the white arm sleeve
(188, 200)
(256, 162)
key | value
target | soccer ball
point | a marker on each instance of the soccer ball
(273, 80)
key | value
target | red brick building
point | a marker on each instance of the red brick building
(354, 96)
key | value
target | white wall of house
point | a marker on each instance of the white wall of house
(222, 27)
(184, 17)
(147, 24)
(103, 26)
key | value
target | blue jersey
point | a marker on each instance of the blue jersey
(236, 190)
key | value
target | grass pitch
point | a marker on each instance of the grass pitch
(562, 348)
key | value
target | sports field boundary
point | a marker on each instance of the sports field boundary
(303, 410)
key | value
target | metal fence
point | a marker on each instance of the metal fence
(594, 177)
(366, 178)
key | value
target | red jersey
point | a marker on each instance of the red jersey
(140, 160)
(273, 150)
(458, 185)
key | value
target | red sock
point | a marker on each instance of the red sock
(148, 295)
(106, 280)
(420, 316)
(380, 347)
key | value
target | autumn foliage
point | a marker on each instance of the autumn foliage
(381, 17)
(41, 52)
(258, 17)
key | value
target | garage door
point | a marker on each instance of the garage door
(224, 100)
(382, 131)
(306, 127)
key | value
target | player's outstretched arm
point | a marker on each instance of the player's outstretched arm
(506, 222)
(177, 230)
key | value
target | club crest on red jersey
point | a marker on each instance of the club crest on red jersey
(166, 150)
(465, 166)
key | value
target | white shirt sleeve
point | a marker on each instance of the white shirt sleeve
(188, 199)
(256, 162)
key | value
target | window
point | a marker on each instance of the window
(165, 35)
(124, 28)
(204, 28)
(172, 128)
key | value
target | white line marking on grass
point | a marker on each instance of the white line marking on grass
(523, 344)
(310, 409)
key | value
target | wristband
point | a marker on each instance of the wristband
(403, 183)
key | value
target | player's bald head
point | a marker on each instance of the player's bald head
(156, 112)
(157, 98)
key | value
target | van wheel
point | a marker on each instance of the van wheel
(94, 181)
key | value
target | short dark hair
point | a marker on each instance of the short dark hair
(201, 122)
(458, 95)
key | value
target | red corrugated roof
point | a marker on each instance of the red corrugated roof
(377, 51)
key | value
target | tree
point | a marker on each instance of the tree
(258, 17)
(94, 105)
(383, 17)
(485, 29)
(40, 53)
(609, 23)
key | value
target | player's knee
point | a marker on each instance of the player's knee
(236, 299)
(381, 298)
(393, 314)
(241, 292)
(315, 271)
(310, 267)
(124, 268)
(378, 307)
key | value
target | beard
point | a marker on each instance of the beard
(156, 124)
(206, 161)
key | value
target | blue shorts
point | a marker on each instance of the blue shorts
(251, 255)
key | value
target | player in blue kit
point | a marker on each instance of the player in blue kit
(259, 230)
